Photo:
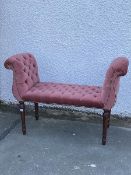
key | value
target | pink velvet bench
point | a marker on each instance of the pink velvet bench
(27, 87)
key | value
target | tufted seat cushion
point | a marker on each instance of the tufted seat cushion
(79, 95)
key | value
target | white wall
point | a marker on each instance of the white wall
(74, 41)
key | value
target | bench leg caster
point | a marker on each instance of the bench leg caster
(22, 113)
(106, 120)
(36, 111)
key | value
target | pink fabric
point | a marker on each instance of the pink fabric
(25, 73)
(110, 88)
(70, 94)
(27, 86)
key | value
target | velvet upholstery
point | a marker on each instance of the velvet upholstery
(25, 73)
(70, 94)
(27, 86)
(118, 68)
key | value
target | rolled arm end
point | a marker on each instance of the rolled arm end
(8, 63)
(120, 65)
(118, 68)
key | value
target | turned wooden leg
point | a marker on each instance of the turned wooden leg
(22, 112)
(106, 117)
(36, 111)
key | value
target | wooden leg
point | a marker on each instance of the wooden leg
(106, 117)
(22, 112)
(109, 119)
(36, 111)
